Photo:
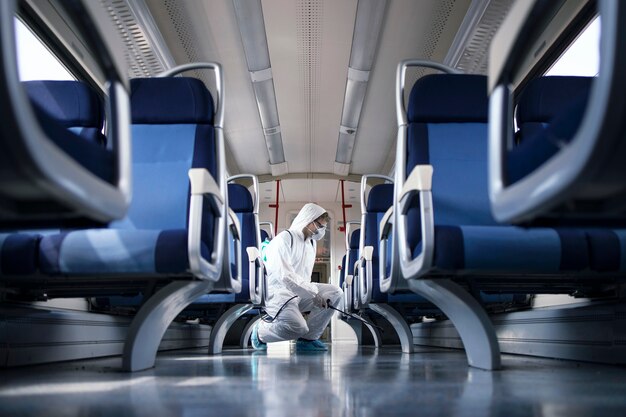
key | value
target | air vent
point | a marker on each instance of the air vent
(474, 59)
(309, 39)
(139, 50)
(431, 36)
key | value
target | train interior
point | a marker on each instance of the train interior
(468, 154)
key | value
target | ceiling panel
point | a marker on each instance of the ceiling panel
(309, 44)
(305, 190)
(412, 29)
(183, 24)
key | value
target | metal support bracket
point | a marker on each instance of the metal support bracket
(357, 327)
(220, 329)
(399, 325)
(153, 319)
(469, 318)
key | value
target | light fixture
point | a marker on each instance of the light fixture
(249, 15)
(367, 26)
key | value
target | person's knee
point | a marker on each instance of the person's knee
(296, 328)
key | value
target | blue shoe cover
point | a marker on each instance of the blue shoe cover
(254, 338)
(310, 346)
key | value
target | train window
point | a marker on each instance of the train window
(34, 60)
(582, 58)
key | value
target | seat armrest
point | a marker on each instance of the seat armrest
(204, 185)
(365, 275)
(420, 179)
(418, 182)
(257, 276)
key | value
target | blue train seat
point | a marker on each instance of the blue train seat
(453, 140)
(580, 180)
(352, 256)
(538, 110)
(175, 230)
(74, 106)
(444, 225)
(172, 133)
(542, 101)
(222, 310)
(48, 178)
(18, 254)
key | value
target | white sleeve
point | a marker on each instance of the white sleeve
(278, 259)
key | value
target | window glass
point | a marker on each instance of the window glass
(582, 58)
(34, 59)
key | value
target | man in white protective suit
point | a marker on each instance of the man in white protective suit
(290, 260)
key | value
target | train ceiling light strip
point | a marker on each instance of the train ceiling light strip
(367, 28)
(249, 15)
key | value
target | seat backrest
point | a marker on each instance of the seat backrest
(352, 254)
(447, 128)
(548, 114)
(379, 200)
(544, 98)
(240, 201)
(342, 272)
(73, 104)
(172, 131)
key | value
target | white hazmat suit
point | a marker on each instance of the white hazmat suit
(290, 261)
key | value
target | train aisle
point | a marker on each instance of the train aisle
(347, 381)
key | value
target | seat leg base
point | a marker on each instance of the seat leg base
(153, 319)
(399, 324)
(220, 329)
(469, 318)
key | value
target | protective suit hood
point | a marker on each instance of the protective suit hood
(307, 214)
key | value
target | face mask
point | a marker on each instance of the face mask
(319, 234)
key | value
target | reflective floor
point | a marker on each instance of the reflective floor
(347, 381)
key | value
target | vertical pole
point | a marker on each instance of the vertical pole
(343, 208)
(276, 205)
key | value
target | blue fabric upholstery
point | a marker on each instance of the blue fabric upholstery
(502, 248)
(548, 115)
(466, 235)
(544, 98)
(607, 250)
(240, 201)
(342, 273)
(69, 111)
(353, 251)
(379, 200)
(72, 103)
(452, 99)
(558, 105)
(177, 100)
(152, 239)
(18, 253)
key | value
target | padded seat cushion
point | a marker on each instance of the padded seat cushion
(170, 100)
(607, 250)
(508, 248)
(111, 251)
(18, 253)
